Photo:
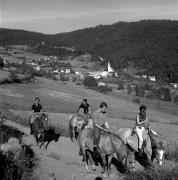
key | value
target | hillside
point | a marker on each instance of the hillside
(149, 44)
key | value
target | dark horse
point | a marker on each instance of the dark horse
(48, 136)
(109, 144)
(39, 125)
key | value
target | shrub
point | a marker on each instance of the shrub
(150, 95)
(136, 100)
(13, 77)
(129, 89)
(78, 83)
(90, 81)
(104, 89)
(1, 63)
(163, 93)
(139, 90)
(176, 99)
(120, 85)
(74, 78)
(85, 66)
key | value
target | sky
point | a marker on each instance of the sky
(56, 16)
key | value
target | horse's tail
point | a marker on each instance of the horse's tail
(71, 131)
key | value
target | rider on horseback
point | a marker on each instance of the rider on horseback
(84, 111)
(36, 111)
(99, 121)
(141, 125)
(84, 108)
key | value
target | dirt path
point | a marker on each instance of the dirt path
(60, 158)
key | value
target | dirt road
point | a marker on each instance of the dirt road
(60, 159)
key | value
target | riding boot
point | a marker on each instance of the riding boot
(140, 151)
(95, 151)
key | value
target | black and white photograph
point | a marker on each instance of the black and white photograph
(88, 89)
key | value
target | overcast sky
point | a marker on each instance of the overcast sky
(54, 16)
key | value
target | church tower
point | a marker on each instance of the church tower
(110, 69)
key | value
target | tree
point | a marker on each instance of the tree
(1, 63)
(90, 81)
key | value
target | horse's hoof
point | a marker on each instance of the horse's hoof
(93, 168)
(105, 175)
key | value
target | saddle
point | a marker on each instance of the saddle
(133, 140)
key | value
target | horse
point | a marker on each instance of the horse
(39, 125)
(76, 122)
(157, 145)
(48, 136)
(109, 144)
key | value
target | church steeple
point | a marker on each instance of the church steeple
(110, 69)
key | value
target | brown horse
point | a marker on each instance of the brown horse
(109, 144)
(39, 125)
(153, 141)
(76, 122)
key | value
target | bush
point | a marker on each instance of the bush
(104, 89)
(85, 67)
(120, 85)
(136, 100)
(1, 63)
(176, 99)
(150, 95)
(63, 78)
(164, 94)
(74, 78)
(129, 89)
(139, 90)
(90, 81)
(13, 77)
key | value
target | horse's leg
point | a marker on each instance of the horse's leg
(47, 144)
(91, 160)
(104, 163)
(41, 144)
(109, 164)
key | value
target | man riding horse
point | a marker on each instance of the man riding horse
(95, 123)
(36, 113)
(99, 120)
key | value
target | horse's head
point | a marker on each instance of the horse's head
(45, 116)
(160, 150)
(57, 137)
(159, 146)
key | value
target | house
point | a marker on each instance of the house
(101, 84)
(174, 85)
(152, 78)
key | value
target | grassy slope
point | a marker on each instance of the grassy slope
(57, 97)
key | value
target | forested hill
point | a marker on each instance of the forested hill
(150, 44)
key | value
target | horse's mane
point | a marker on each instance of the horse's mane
(113, 134)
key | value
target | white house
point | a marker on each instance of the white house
(152, 78)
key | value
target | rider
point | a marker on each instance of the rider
(36, 111)
(99, 122)
(84, 108)
(141, 125)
